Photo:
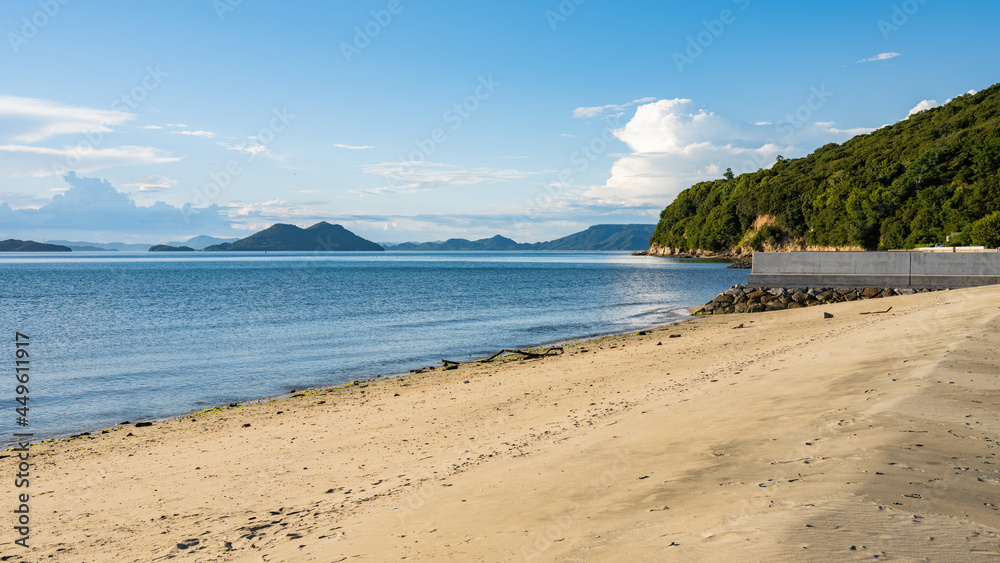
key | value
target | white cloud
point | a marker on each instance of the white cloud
(969, 93)
(418, 176)
(255, 216)
(149, 184)
(923, 106)
(29, 120)
(353, 148)
(570, 136)
(615, 109)
(150, 127)
(23, 160)
(274, 208)
(931, 104)
(176, 125)
(94, 204)
(880, 57)
(207, 134)
(252, 149)
(675, 144)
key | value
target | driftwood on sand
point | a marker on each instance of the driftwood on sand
(550, 351)
(876, 312)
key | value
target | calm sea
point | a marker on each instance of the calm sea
(123, 336)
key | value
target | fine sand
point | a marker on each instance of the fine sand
(794, 438)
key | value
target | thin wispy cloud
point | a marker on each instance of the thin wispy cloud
(610, 109)
(150, 127)
(248, 148)
(353, 147)
(254, 149)
(880, 57)
(30, 120)
(418, 176)
(24, 160)
(149, 184)
(206, 134)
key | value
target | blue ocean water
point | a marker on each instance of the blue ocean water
(127, 336)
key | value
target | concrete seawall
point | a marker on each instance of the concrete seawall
(875, 269)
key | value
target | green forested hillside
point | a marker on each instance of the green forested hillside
(912, 183)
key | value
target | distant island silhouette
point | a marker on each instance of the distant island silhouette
(168, 248)
(598, 237)
(14, 245)
(324, 236)
(321, 237)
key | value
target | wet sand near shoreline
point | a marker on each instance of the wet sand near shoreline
(860, 437)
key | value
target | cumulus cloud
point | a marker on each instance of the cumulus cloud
(923, 106)
(94, 204)
(30, 120)
(24, 160)
(419, 176)
(675, 143)
(931, 104)
(610, 109)
(880, 57)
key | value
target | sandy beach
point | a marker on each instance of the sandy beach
(793, 438)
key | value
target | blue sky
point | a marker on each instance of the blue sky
(421, 120)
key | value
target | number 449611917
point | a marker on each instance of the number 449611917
(22, 365)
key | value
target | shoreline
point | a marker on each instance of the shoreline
(765, 442)
(6, 445)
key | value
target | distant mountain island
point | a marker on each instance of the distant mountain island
(168, 248)
(598, 237)
(197, 243)
(83, 246)
(200, 242)
(322, 237)
(326, 237)
(13, 245)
